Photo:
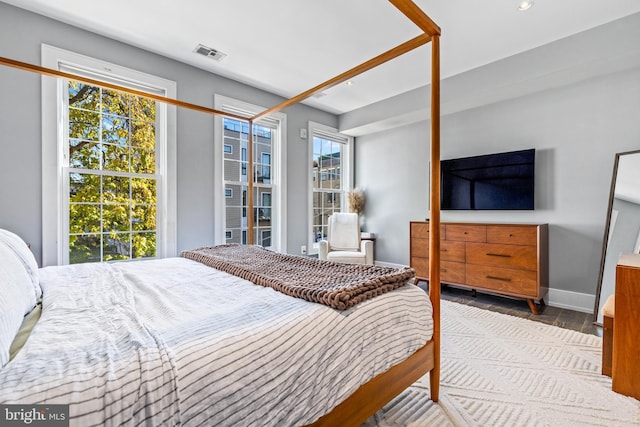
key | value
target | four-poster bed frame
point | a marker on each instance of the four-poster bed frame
(374, 394)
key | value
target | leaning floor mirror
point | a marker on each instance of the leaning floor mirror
(622, 231)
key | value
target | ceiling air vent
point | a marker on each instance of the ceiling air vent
(208, 52)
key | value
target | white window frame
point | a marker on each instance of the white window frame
(55, 179)
(230, 149)
(278, 171)
(228, 193)
(346, 178)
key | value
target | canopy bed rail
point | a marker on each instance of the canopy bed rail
(374, 394)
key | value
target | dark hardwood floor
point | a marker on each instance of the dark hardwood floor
(564, 318)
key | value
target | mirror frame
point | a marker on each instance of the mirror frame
(607, 227)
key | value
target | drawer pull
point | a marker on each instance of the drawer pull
(443, 250)
(502, 279)
(443, 270)
(500, 255)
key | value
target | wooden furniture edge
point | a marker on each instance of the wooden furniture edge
(607, 346)
(625, 370)
(380, 390)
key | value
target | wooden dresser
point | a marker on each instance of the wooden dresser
(625, 375)
(506, 259)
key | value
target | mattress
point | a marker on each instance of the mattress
(174, 342)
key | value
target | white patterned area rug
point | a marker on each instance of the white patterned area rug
(499, 370)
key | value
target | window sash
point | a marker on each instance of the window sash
(121, 240)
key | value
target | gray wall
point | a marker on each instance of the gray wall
(23, 32)
(576, 130)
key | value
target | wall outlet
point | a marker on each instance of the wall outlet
(303, 250)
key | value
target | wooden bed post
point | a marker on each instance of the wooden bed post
(250, 222)
(434, 214)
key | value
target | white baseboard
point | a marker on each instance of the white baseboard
(555, 297)
(571, 300)
(389, 264)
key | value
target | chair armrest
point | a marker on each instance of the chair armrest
(323, 250)
(366, 246)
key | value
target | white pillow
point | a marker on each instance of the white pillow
(22, 251)
(17, 298)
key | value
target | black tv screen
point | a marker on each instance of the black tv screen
(503, 181)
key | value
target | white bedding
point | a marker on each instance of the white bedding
(175, 342)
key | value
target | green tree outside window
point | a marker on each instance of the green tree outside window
(112, 175)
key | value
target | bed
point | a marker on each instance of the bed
(176, 342)
(159, 352)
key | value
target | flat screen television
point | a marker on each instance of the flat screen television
(502, 181)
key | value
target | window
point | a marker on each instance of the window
(228, 149)
(228, 193)
(265, 238)
(236, 134)
(330, 155)
(228, 234)
(110, 193)
(112, 182)
(267, 174)
(244, 162)
(265, 207)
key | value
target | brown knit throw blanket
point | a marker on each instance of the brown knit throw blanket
(334, 284)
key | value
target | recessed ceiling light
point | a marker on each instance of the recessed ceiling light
(524, 5)
(349, 83)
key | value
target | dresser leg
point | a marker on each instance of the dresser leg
(532, 306)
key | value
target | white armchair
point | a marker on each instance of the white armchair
(343, 242)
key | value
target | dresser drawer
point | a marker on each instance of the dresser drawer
(450, 271)
(503, 280)
(512, 235)
(466, 233)
(452, 251)
(420, 229)
(511, 256)
(421, 266)
(419, 248)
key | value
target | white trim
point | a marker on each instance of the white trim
(571, 300)
(390, 264)
(54, 233)
(278, 169)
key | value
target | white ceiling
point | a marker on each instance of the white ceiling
(289, 46)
